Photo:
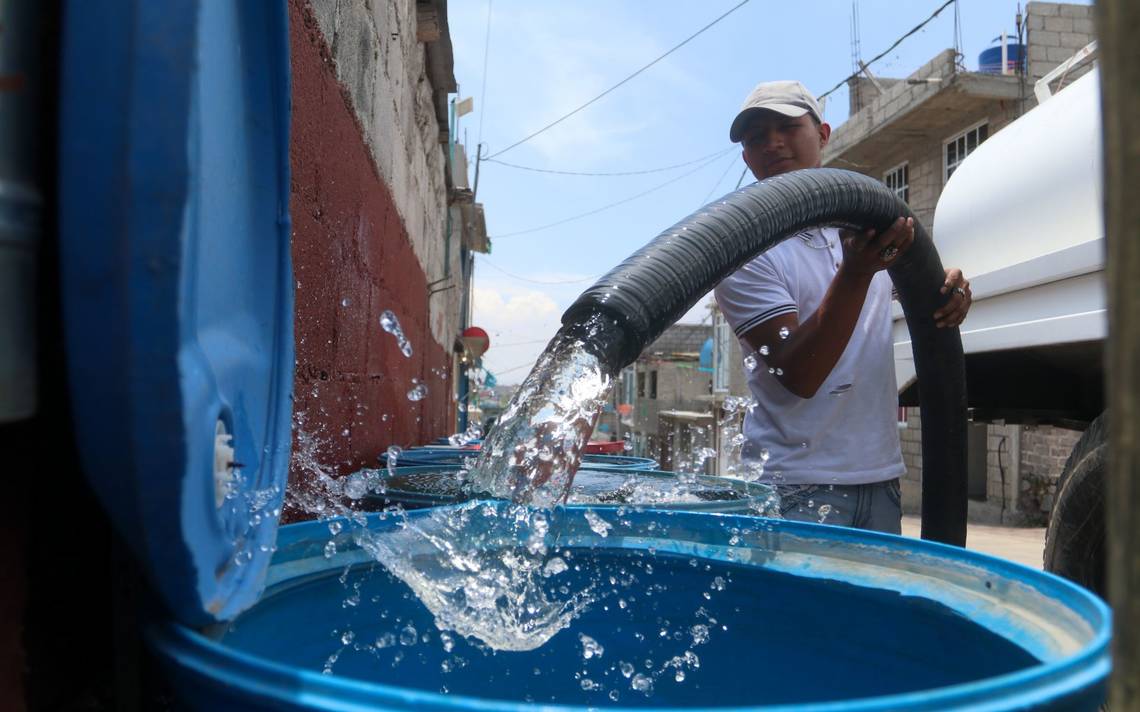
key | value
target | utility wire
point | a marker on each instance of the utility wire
(623, 81)
(483, 91)
(884, 53)
(741, 178)
(662, 169)
(717, 184)
(522, 343)
(595, 211)
(488, 262)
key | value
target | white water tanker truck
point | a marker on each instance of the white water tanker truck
(1022, 216)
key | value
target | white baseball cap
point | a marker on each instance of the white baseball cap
(789, 98)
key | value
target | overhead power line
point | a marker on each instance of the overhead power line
(718, 182)
(887, 51)
(483, 91)
(595, 211)
(645, 171)
(623, 81)
(485, 261)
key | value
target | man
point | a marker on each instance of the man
(816, 313)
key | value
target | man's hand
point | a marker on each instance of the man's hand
(954, 311)
(865, 253)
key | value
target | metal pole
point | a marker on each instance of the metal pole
(1118, 23)
(478, 159)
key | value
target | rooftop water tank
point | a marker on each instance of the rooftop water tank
(989, 60)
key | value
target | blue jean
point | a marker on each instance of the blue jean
(875, 506)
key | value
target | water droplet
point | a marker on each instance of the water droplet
(554, 567)
(408, 635)
(626, 669)
(590, 647)
(599, 526)
(642, 683)
(344, 302)
(700, 634)
(628, 447)
(764, 454)
(764, 350)
(330, 550)
(679, 676)
(386, 640)
(588, 684)
(447, 640)
(347, 637)
(784, 332)
(335, 527)
(614, 695)
(779, 371)
(772, 370)
(419, 390)
(750, 363)
(344, 433)
(391, 324)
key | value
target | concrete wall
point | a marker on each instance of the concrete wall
(367, 203)
(374, 54)
(1055, 32)
(1022, 465)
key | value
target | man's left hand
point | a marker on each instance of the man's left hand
(954, 311)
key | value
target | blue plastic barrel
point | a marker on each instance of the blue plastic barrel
(419, 486)
(989, 60)
(774, 613)
(455, 455)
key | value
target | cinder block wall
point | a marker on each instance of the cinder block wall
(1055, 32)
(368, 202)
(1023, 463)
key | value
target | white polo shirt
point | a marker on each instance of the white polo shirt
(846, 433)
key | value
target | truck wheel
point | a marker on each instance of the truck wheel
(1075, 539)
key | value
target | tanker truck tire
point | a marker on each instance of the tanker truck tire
(1075, 541)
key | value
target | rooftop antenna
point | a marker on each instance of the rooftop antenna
(856, 55)
(959, 56)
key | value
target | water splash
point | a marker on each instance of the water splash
(532, 455)
(389, 323)
(467, 566)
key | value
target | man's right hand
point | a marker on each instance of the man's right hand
(866, 252)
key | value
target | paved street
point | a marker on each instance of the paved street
(1023, 545)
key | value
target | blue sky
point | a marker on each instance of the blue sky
(547, 58)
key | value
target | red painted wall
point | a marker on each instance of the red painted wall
(352, 259)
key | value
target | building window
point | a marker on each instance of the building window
(627, 384)
(956, 149)
(652, 384)
(898, 180)
(641, 384)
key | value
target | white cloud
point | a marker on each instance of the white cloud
(519, 322)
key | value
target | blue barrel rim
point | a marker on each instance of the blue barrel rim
(451, 454)
(1036, 685)
(754, 490)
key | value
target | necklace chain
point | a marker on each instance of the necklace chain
(808, 237)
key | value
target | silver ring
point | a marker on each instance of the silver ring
(959, 290)
(888, 252)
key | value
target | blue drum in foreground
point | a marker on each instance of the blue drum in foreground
(689, 610)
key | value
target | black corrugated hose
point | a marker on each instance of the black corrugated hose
(636, 301)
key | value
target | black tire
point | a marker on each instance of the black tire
(1075, 541)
